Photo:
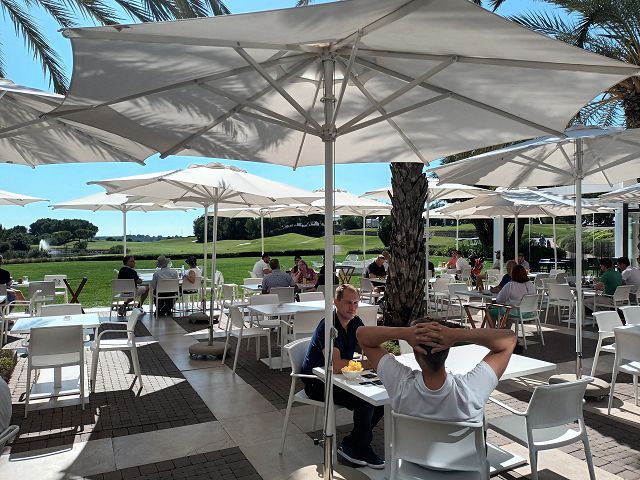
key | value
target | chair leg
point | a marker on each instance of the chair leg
(533, 462)
(235, 360)
(587, 454)
(82, 373)
(226, 345)
(540, 330)
(257, 347)
(269, 349)
(292, 392)
(136, 364)
(524, 336)
(28, 392)
(94, 371)
(614, 375)
(635, 388)
(596, 356)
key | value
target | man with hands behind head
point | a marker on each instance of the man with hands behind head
(432, 392)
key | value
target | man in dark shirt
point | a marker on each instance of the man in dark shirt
(5, 279)
(128, 272)
(376, 268)
(356, 447)
(506, 277)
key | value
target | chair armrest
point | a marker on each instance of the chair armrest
(507, 407)
(110, 331)
(304, 375)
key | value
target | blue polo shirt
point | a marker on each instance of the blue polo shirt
(345, 341)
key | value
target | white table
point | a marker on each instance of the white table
(286, 309)
(461, 360)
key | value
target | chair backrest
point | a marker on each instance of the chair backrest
(529, 303)
(539, 279)
(631, 314)
(305, 323)
(135, 315)
(252, 281)
(253, 275)
(561, 277)
(454, 288)
(323, 289)
(557, 404)
(297, 351)
(405, 347)
(622, 293)
(556, 271)
(628, 342)
(458, 446)
(56, 340)
(286, 294)
(3, 289)
(548, 281)
(441, 284)
(228, 291)
(167, 285)
(47, 289)
(351, 258)
(607, 320)
(369, 315)
(560, 291)
(57, 279)
(366, 285)
(264, 299)
(237, 320)
(125, 286)
(310, 296)
(61, 309)
(219, 278)
(465, 274)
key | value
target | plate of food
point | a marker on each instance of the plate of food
(353, 370)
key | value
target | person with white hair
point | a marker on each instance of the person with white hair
(165, 307)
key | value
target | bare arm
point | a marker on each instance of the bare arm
(371, 338)
(191, 276)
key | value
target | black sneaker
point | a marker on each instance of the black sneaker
(373, 460)
(349, 454)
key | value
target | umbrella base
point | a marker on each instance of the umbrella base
(340, 472)
(205, 350)
(198, 317)
(596, 390)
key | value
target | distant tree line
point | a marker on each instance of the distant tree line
(249, 228)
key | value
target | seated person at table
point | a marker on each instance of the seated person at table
(432, 269)
(320, 279)
(165, 307)
(376, 268)
(523, 262)
(518, 287)
(387, 259)
(294, 269)
(128, 272)
(261, 268)
(610, 279)
(476, 272)
(432, 392)
(461, 263)
(276, 278)
(506, 278)
(5, 279)
(305, 274)
(630, 276)
(193, 274)
(451, 264)
(356, 447)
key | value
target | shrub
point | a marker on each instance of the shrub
(116, 249)
(7, 363)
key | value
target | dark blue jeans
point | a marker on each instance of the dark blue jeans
(365, 415)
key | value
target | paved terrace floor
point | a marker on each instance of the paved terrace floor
(194, 419)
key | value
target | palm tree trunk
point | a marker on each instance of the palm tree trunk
(404, 296)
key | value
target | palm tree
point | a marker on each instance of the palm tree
(69, 13)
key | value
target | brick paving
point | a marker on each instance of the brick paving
(117, 408)
(227, 464)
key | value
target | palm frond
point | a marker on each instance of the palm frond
(606, 112)
(303, 3)
(36, 43)
(62, 15)
(94, 10)
(146, 12)
(547, 24)
(218, 7)
(496, 4)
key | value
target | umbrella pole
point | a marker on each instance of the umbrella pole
(457, 231)
(204, 246)
(364, 243)
(555, 245)
(426, 255)
(579, 299)
(262, 232)
(213, 258)
(515, 237)
(124, 231)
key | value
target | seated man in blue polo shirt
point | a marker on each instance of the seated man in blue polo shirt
(356, 447)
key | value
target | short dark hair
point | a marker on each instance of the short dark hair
(606, 262)
(265, 255)
(191, 261)
(624, 261)
(297, 257)
(521, 254)
(126, 259)
(519, 274)
(274, 263)
(435, 361)
(343, 288)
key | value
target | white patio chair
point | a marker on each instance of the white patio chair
(166, 289)
(7, 435)
(311, 296)
(454, 298)
(493, 276)
(297, 351)
(627, 348)
(369, 315)
(560, 296)
(548, 420)
(527, 311)
(631, 314)
(251, 282)
(465, 275)
(450, 450)
(619, 298)
(61, 288)
(47, 292)
(439, 291)
(555, 271)
(61, 309)
(122, 290)
(127, 344)
(55, 347)
(191, 294)
(303, 325)
(606, 322)
(230, 297)
(367, 291)
(241, 331)
(263, 321)
(541, 289)
(285, 294)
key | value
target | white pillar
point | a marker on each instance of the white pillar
(618, 232)
(124, 231)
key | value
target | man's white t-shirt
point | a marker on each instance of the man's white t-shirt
(461, 264)
(5, 405)
(259, 267)
(461, 398)
(631, 277)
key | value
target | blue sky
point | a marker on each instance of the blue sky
(64, 182)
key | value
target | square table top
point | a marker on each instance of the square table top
(86, 320)
(461, 360)
(275, 309)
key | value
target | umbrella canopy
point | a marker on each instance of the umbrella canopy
(27, 139)
(629, 194)
(101, 202)
(436, 191)
(8, 198)
(591, 154)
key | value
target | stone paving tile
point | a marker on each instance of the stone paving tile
(229, 463)
(117, 408)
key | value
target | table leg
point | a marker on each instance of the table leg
(57, 378)
(387, 441)
(470, 316)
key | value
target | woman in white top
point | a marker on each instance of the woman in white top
(518, 287)
(194, 271)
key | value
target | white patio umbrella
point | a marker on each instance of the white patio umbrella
(27, 139)
(208, 185)
(101, 202)
(229, 87)
(590, 154)
(297, 210)
(628, 194)
(9, 198)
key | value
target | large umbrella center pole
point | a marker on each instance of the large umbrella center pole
(204, 246)
(124, 231)
(262, 232)
(579, 299)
